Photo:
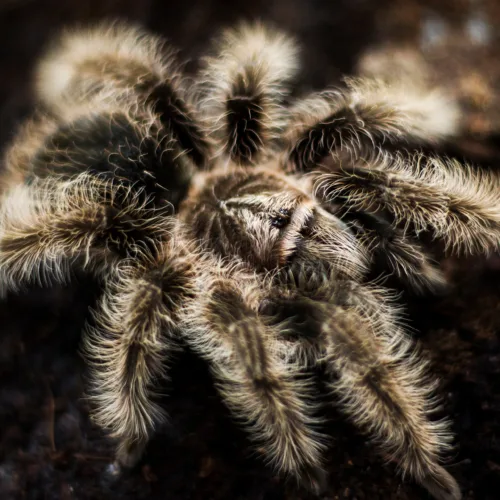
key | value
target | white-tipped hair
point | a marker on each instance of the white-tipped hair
(257, 44)
(430, 114)
(79, 63)
(361, 117)
(259, 60)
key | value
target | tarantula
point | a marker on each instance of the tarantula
(222, 215)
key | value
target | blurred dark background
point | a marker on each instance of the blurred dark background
(48, 447)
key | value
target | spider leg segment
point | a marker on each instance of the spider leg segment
(383, 388)
(48, 226)
(362, 117)
(392, 198)
(124, 66)
(261, 389)
(135, 333)
(390, 248)
(456, 203)
(242, 92)
(111, 56)
(376, 373)
(94, 188)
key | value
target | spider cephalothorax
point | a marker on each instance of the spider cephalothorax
(268, 221)
(223, 217)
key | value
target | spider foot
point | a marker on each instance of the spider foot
(318, 480)
(129, 453)
(441, 485)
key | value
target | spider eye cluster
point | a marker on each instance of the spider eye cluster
(282, 219)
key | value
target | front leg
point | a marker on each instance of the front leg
(123, 66)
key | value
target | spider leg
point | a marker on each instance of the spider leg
(47, 227)
(114, 56)
(456, 203)
(257, 385)
(393, 250)
(376, 372)
(365, 115)
(118, 63)
(331, 138)
(129, 346)
(383, 388)
(94, 187)
(242, 90)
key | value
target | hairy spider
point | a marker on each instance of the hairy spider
(224, 217)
